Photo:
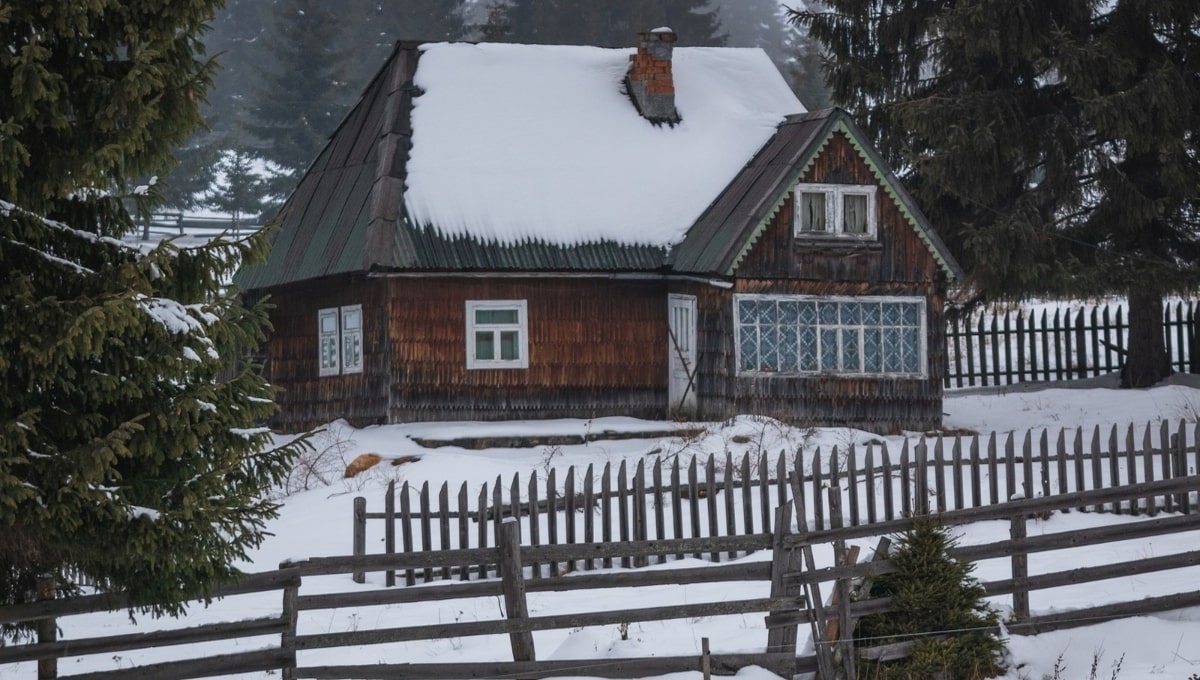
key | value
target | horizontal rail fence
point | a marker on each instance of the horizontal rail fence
(791, 597)
(1017, 347)
(168, 224)
(669, 501)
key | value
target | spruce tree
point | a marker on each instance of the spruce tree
(130, 439)
(303, 94)
(938, 605)
(239, 190)
(1055, 145)
(605, 24)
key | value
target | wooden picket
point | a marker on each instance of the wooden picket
(736, 496)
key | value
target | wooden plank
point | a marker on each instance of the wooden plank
(710, 498)
(764, 493)
(389, 529)
(921, 478)
(906, 489)
(694, 501)
(1020, 571)
(852, 483)
(869, 473)
(1008, 355)
(535, 531)
(1114, 478)
(444, 524)
(889, 505)
(956, 475)
(1165, 455)
(1093, 615)
(730, 496)
(784, 560)
(569, 517)
(660, 523)
(939, 470)
(1020, 366)
(1077, 460)
(993, 470)
(359, 539)
(207, 667)
(781, 479)
(497, 510)
(606, 530)
(464, 533)
(641, 530)
(1082, 575)
(512, 582)
(722, 664)
(1148, 462)
(817, 488)
(976, 465)
(1097, 472)
(589, 510)
(623, 508)
(676, 504)
(1131, 468)
(552, 515)
(426, 527)
(748, 497)
(1010, 466)
(483, 533)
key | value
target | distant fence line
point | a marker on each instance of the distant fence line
(1018, 346)
(794, 598)
(168, 224)
(669, 500)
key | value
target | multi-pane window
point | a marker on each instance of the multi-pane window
(340, 340)
(842, 335)
(835, 210)
(497, 334)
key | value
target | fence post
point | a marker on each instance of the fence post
(360, 534)
(287, 641)
(1020, 569)
(781, 625)
(389, 530)
(845, 627)
(47, 629)
(512, 577)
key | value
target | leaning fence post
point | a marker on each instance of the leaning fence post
(785, 566)
(360, 534)
(287, 640)
(1020, 569)
(512, 579)
(841, 593)
(47, 629)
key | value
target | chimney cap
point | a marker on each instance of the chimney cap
(660, 34)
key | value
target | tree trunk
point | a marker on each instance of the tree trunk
(1147, 362)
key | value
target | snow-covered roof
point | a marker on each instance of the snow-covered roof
(518, 143)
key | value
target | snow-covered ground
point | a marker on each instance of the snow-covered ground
(316, 522)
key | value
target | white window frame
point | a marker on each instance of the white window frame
(834, 201)
(922, 330)
(521, 328)
(345, 337)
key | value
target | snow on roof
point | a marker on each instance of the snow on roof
(540, 142)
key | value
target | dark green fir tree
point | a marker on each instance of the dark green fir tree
(605, 24)
(1055, 145)
(239, 189)
(303, 92)
(939, 606)
(131, 445)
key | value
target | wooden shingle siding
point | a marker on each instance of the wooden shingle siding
(306, 399)
(597, 347)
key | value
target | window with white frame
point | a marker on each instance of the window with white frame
(340, 337)
(835, 210)
(497, 334)
(787, 334)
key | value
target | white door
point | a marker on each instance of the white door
(681, 319)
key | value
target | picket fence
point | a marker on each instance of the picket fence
(673, 499)
(1020, 346)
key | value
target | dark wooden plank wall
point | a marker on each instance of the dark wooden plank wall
(597, 347)
(898, 264)
(306, 399)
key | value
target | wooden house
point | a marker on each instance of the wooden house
(515, 232)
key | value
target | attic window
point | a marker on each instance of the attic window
(835, 211)
(497, 334)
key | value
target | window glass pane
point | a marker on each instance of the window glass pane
(829, 349)
(767, 312)
(329, 352)
(828, 313)
(892, 362)
(496, 316)
(812, 211)
(912, 314)
(352, 350)
(328, 323)
(768, 344)
(910, 350)
(485, 346)
(747, 311)
(850, 353)
(891, 313)
(872, 350)
(748, 348)
(870, 313)
(351, 319)
(788, 350)
(808, 313)
(789, 312)
(850, 313)
(808, 349)
(854, 213)
(508, 345)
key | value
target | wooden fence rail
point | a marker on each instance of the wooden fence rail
(670, 500)
(1015, 347)
(792, 600)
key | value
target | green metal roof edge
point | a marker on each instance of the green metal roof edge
(873, 163)
(814, 149)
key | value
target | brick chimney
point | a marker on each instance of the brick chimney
(649, 80)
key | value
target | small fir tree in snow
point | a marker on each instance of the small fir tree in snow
(239, 191)
(130, 437)
(939, 605)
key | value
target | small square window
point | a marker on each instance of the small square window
(497, 334)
